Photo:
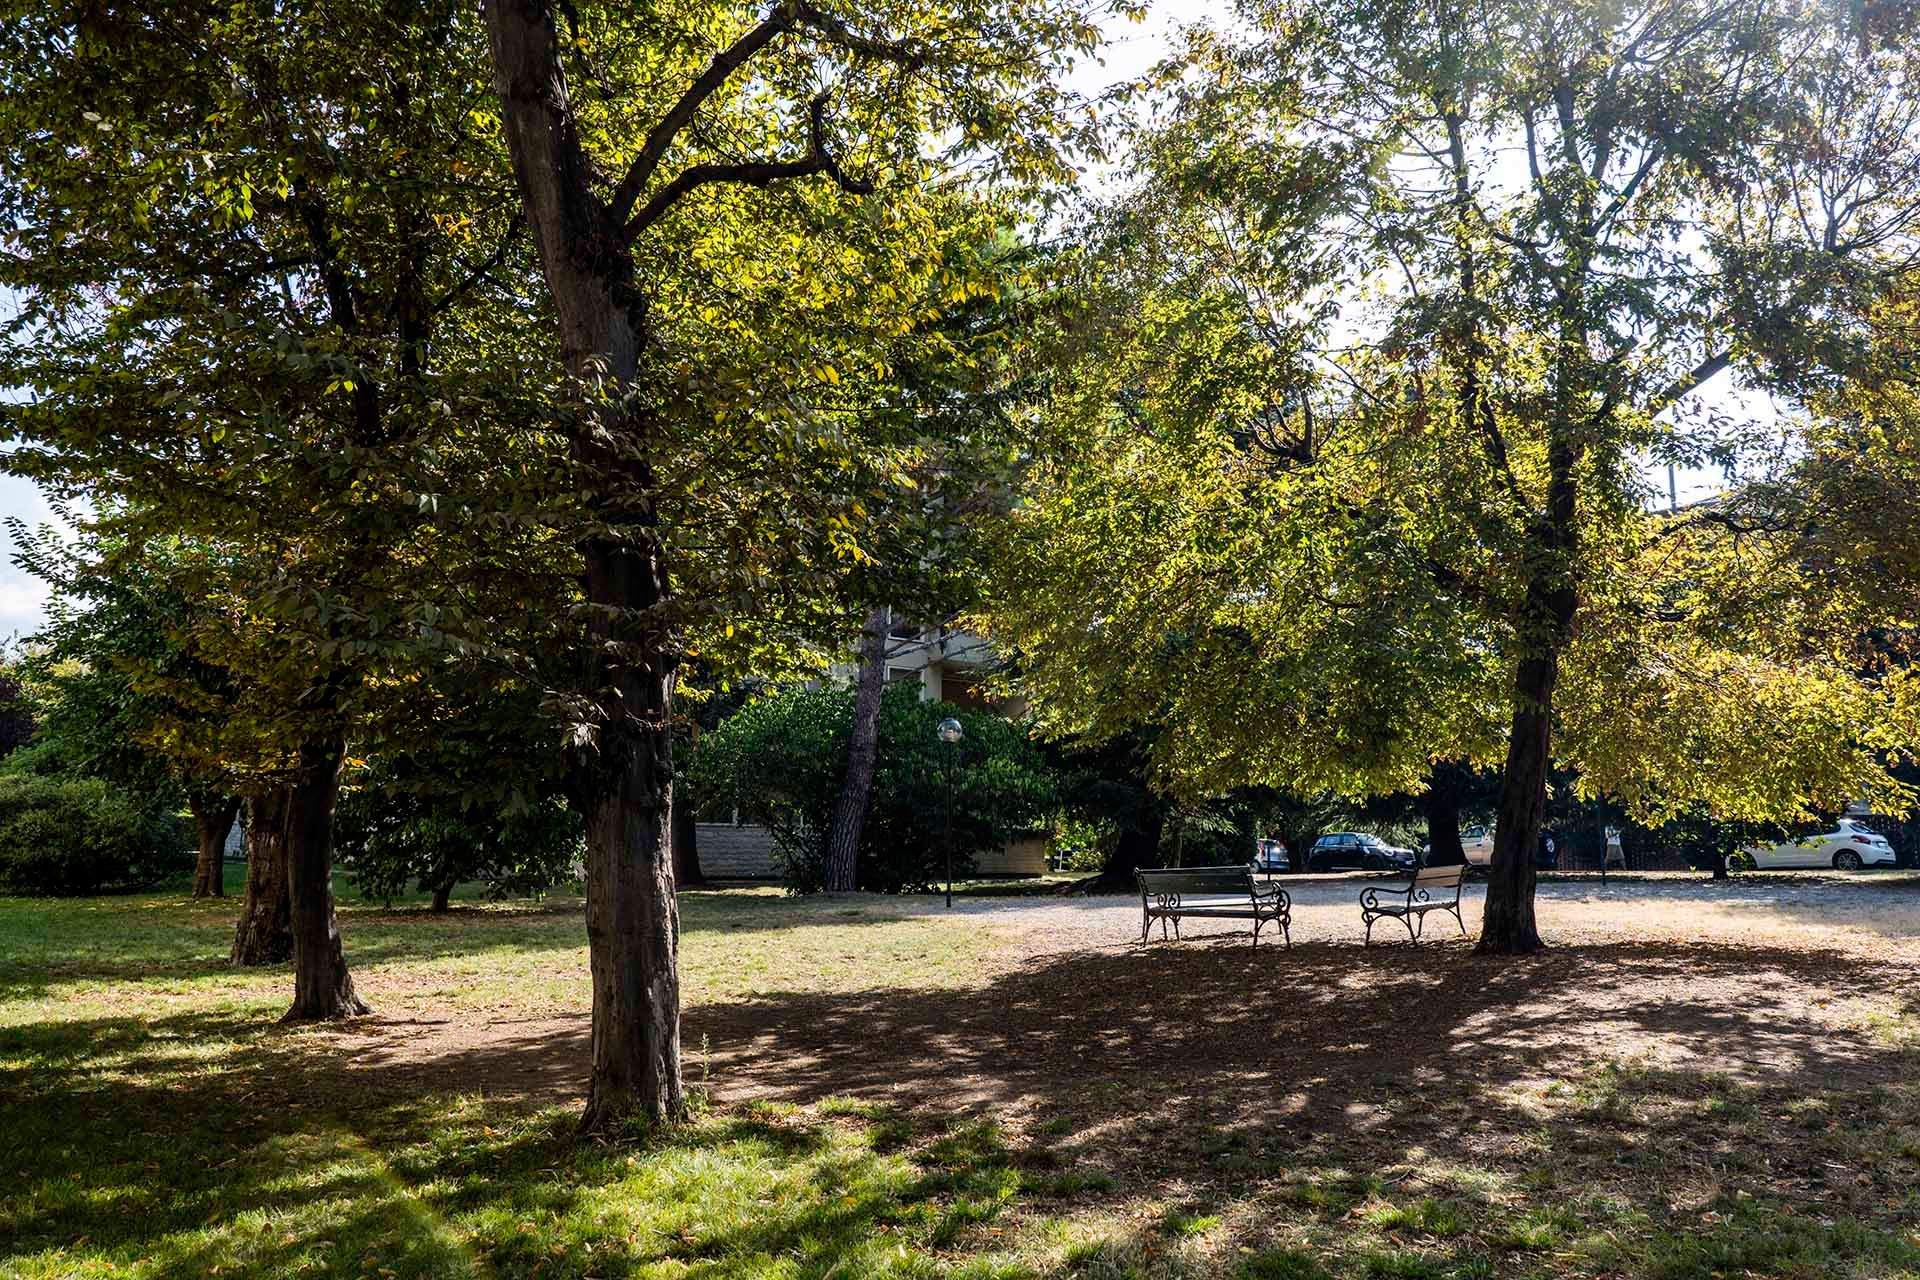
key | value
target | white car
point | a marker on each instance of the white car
(1477, 843)
(1848, 847)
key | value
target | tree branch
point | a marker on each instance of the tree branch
(834, 32)
(785, 16)
(757, 173)
(486, 267)
(661, 136)
(1690, 382)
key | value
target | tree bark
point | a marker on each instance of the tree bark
(212, 820)
(683, 820)
(626, 787)
(322, 987)
(850, 810)
(1508, 927)
(1443, 819)
(264, 934)
(442, 895)
(1137, 847)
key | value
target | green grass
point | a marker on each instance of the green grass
(158, 1123)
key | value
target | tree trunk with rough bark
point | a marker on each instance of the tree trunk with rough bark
(212, 821)
(264, 934)
(442, 896)
(684, 822)
(850, 810)
(1508, 927)
(627, 789)
(322, 986)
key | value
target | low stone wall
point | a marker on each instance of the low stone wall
(728, 852)
(1023, 857)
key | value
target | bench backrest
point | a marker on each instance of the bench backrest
(1198, 881)
(1439, 877)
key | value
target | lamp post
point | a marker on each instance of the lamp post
(950, 734)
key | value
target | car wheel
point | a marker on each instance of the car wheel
(1370, 863)
(1846, 860)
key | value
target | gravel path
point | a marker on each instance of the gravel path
(1879, 911)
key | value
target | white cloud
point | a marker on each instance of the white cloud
(23, 597)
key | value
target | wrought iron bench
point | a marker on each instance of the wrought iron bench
(1409, 903)
(1218, 893)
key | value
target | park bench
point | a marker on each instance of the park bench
(1217, 893)
(1409, 903)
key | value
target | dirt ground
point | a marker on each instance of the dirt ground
(1752, 980)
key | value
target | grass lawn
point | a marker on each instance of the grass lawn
(1012, 1090)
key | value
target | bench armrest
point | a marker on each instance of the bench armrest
(1370, 896)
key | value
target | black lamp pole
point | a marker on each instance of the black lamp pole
(949, 733)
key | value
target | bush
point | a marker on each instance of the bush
(392, 840)
(782, 759)
(82, 835)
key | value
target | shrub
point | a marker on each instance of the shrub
(83, 835)
(782, 759)
(391, 840)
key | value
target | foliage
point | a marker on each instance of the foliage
(1348, 467)
(16, 714)
(781, 760)
(478, 803)
(66, 835)
(120, 693)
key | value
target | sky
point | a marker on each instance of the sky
(1131, 49)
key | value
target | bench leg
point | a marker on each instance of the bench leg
(1369, 920)
(1257, 922)
(1176, 928)
(1457, 920)
(1407, 920)
(1286, 933)
(1146, 923)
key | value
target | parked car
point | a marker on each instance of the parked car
(1357, 850)
(1271, 856)
(1477, 844)
(1850, 846)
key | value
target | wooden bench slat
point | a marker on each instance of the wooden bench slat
(1410, 901)
(1216, 893)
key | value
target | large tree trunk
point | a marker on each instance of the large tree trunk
(633, 931)
(322, 987)
(1443, 818)
(850, 810)
(683, 820)
(632, 921)
(264, 934)
(442, 896)
(1137, 847)
(212, 821)
(1508, 927)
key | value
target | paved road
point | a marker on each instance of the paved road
(1794, 909)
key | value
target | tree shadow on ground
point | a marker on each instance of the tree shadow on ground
(1337, 1111)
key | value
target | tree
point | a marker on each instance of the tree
(16, 716)
(476, 801)
(781, 761)
(1352, 480)
(663, 208)
(119, 684)
(264, 932)
(260, 257)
